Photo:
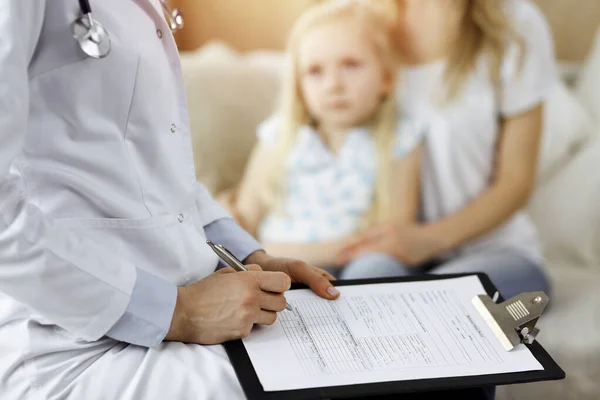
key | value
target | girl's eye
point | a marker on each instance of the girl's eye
(314, 70)
(351, 63)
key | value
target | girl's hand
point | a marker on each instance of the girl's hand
(228, 199)
(411, 244)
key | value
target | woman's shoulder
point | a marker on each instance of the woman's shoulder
(533, 29)
(528, 72)
(528, 20)
(525, 11)
(413, 125)
(410, 132)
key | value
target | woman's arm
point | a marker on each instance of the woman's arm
(512, 185)
(322, 255)
(405, 187)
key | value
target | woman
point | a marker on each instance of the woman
(481, 71)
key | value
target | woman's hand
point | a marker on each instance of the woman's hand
(411, 244)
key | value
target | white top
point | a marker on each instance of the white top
(328, 193)
(458, 161)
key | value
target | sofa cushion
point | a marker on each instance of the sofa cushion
(566, 126)
(566, 210)
(227, 98)
(588, 84)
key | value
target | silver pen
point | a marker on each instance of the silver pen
(232, 261)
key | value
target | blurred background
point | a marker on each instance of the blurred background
(232, 61)
(263, 24)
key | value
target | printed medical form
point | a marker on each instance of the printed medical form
(381, 332)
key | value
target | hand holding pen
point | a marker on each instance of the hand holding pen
(226, 305)
(227, 257)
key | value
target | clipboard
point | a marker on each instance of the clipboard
(254, 390)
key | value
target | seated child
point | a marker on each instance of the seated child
(336, 158)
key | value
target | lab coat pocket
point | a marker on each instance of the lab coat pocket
(172, 246)
(96, 113)
(67, 116)
(149, 243)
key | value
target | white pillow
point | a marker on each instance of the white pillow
(227, 98)
(588, 85)
(273, 61)
(566, 125)
(566, 211)
(214, 52)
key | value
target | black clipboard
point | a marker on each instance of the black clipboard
(254, 391)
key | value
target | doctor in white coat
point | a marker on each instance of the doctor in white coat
(107, 285)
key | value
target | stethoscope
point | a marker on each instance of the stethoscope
(94, 40)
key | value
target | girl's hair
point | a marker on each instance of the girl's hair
(485, 28)
(378, 17)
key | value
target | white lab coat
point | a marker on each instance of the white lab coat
(96, 179)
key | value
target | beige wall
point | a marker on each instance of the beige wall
(574, 23)
(251, 24)
(246, 24)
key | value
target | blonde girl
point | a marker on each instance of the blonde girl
(336, 157)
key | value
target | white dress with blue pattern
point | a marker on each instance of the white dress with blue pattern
(327, 193)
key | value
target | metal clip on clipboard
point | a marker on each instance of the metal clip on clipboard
(513, 321)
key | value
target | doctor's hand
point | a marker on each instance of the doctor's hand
(226, 304)
(315, 278)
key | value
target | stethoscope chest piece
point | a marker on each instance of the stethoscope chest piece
(91, 36)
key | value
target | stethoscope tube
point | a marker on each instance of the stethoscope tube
(85, 7)
(94, 40)
(89, 34)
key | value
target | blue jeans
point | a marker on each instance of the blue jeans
(510, 272)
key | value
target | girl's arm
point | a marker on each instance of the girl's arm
(247, 205)
(404, 190)
(511, 188)
(249, 210)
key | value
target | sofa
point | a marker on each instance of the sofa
(230, 93)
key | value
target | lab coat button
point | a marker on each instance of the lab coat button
(180, 218)
(159, 33)
(173, 128)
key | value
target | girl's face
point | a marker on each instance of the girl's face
(342, 79)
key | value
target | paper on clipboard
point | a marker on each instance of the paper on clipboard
(379, 333)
